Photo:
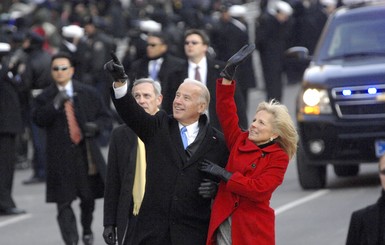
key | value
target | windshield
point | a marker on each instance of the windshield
(357, 38)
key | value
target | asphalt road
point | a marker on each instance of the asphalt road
(302, 217)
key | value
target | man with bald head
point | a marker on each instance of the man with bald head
(367, 225)
(174, 210)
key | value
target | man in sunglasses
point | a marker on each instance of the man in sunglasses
(367, 225)
(160, 66)
(73, 114)
(203, 67)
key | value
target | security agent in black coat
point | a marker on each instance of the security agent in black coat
(229, 35)
(367, 225)
(10, 126)
(214, 67)
(172, 212)
(73, 169)
(120, 181)
(170, 72)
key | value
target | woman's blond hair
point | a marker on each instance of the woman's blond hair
(283, 125)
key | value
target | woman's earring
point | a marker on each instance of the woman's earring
(271, 139)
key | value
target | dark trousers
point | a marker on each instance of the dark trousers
(67, 220)
(66, 217)
(7, 169)
(39, 154)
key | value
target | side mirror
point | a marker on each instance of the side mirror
(300, 53)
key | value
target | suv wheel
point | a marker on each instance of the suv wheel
(311, 176)
(346, 170)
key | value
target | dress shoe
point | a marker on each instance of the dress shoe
(12, 211)
(88, 239)
(33, 180)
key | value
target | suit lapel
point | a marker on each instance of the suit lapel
(177, 140)
(205, 145)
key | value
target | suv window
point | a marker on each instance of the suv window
(354, 38)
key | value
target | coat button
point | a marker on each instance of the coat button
(253, 165)
(175, 198)
(236, 204)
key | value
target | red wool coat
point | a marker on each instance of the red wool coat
(256, 174)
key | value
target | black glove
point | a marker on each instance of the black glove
(91, 129)
(208, 188)
(109, 235)
(60, 98)
(231, 66)
(115, 68)
(214, 169)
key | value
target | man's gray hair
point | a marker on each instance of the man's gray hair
(155, 84)
(205, 95)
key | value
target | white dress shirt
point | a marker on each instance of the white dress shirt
(202, 70)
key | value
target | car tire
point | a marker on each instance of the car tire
(311, 176)
(346, 170)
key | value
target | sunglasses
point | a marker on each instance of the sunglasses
(153, 44)
(192, 42)
(382, 171)
(60, 68)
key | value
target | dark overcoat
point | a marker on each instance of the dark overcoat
(170, 76)
(120, 179)
(64, 175)
(172, 206)
(364, 227)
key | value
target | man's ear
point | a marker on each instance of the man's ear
(202, 108)
(159, 100)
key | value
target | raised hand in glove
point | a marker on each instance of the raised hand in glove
(208, 188)
(109, 235)
(231, 66)
(115, 68)
(214, 169)
(60, 98)
(91, 129)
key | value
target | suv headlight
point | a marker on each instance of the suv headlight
(315, 101)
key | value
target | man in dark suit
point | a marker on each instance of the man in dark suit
(75, 165)
(10, 126)
(121, 167)
(172, 211)
(228, 36)
(196, 48)
(272, 36)
(161, 66)
(367, 225)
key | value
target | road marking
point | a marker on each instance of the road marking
(301, 201)
(14, 220)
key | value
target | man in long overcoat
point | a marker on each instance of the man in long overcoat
(73, 169)
(119, 218)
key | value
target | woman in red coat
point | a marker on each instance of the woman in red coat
(241, 212)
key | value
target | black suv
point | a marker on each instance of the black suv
(341, 105)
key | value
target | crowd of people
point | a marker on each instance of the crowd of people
(177, 83)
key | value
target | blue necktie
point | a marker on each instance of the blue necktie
(154, 70)
(183, 132)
